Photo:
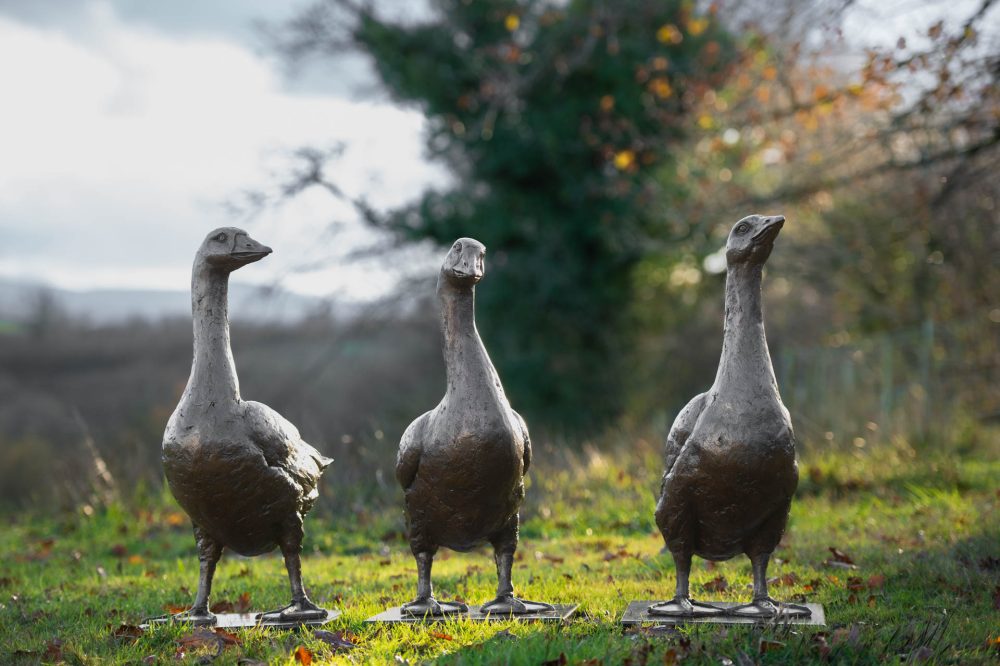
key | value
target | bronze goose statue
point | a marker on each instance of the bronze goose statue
(462, 464)
(730, 455)
(240, 471)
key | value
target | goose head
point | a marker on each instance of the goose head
(229, 248)
(752, 239)
(463, 266)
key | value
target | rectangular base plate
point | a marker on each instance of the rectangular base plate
(636, 613)
(245, 620)
(395, 615)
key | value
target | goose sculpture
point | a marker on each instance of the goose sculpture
(240, 471)
(462, 464)
(730, 455)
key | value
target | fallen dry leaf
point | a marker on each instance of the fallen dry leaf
(784, 580)
(558, 661)
(303, 656)
(228, 638)
(53, 650)
(127, 631)
(174, 609)
(337, 641)
(767, 646)
(854, 583)
(442, 636)
(840, 556)
(203, 642)
(717, 584)
(876, 581)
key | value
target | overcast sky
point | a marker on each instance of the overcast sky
(125, 125)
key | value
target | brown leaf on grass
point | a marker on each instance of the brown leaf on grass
(784, 580)
(222, 606)
(855, 584)
(872, 602)
(339, 641)
(558, 661)
(53, 650)
(840, 556)
(127, 631)
(442, 636)
(243, 603)
(228, 638)
(555, 559)
(384, 563)
(303, 656)
(670, 657)
(717, 584)
(876, 581)
(119, 550)
(765, 645)
(174, 609)
(208, 644)
(852, 598)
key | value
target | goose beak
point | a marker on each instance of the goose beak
(248, 250)
(769, 231)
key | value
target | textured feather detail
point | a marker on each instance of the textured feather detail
(410, 448)
(679, 433)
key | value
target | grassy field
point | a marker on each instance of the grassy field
(921, 528)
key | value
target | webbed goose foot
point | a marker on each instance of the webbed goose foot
(297, 611)
(422, 606)
(684, 607)
(768, 608)
(199, 616)
(508, 604)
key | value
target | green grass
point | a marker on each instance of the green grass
(923, 530)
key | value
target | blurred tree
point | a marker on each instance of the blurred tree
(552, 116)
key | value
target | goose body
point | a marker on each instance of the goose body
(730, 456)
(462, 464)
(239, 469)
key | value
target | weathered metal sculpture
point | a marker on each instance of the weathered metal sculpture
(462, 464)
(241, 471)
(730, 455)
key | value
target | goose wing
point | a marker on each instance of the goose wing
(411, 445)
(283, 447)
(679, 433)
(527, 442)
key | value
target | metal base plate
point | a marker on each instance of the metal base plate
(245, 620)
(636, 613)
(395, 615)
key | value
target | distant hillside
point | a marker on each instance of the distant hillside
(19, 299)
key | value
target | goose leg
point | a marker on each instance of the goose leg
(682, 605)
(763, 606)
(505, 602)
(209, 552)
(302, 608)
(425, 603)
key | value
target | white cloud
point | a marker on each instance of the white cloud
(119, 142)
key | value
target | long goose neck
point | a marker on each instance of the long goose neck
(467, 365)
(213, 373)
(746, 362)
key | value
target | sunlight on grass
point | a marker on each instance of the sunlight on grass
(921, 530)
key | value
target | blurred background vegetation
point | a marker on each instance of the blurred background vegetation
(602, 151)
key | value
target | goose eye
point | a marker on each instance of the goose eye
(458, 247)
(743, 228)
(221, 238)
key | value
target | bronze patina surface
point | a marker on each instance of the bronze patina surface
(240, 471)
(462, 464)
(730, 455)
